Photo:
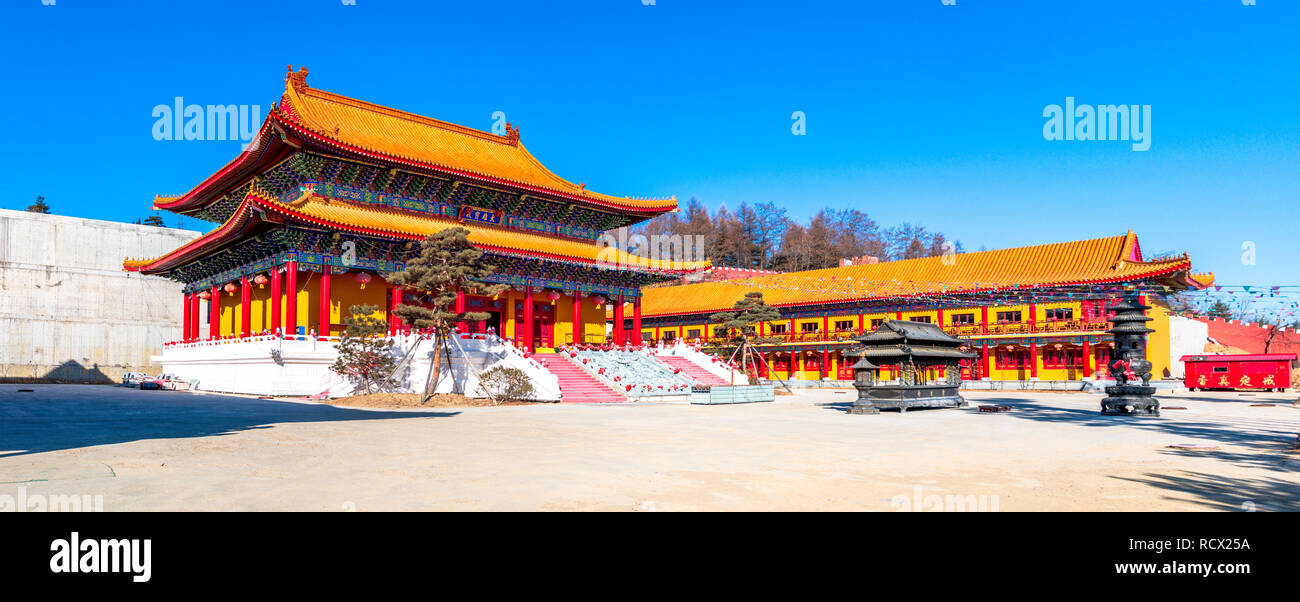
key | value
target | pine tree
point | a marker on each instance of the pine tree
(39, 206)
(448, 262)
(154, 220)
(1220, 310)
(365, 353)
(738, 325)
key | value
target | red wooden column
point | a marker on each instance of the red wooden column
(460, 309)
(1033, 359)
(636, 321)
(528, 318)
(394, 322)
(214, 313)
(826, 329)
(862, 322)
(988, 362)
(185, 317)
(984, 319)
(1033, 317)
(940, 317)
(791, 329)
(618, 320)
(195, 308)
(324, 329)
(1142, 300)
(275, 300)
(826, 363)
(577, 317)
(245, 306)
(898, 315)
(291, 297)
(1087, 358)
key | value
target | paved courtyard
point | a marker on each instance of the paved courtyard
(156, 450)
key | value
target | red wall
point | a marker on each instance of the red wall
(1250, 337)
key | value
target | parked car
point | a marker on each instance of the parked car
(169, 382)
(133, 379)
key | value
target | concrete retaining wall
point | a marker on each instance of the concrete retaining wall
(68, 313)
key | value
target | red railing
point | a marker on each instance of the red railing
(968, 330)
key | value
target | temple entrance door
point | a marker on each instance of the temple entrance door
(492, 324)
(843, 369)
(544, 326)
(1102, 355)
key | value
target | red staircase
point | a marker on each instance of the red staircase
(576, 385)
(690, 369)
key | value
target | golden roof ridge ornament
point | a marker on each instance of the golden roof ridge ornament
(297, 80)
(512, 134)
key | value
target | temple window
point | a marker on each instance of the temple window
(1008, 317)
(1058, 314)
(1015, 358)
(925, 319)
(963, 319)
(842, 325)
(809, 327)
(1063, 358)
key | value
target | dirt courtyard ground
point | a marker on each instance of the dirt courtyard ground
(156, 450)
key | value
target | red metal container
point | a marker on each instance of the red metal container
(1257, 371)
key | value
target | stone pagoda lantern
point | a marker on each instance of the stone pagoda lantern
(1128, 363)
(913, 347)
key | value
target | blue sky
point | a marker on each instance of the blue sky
(915, 111)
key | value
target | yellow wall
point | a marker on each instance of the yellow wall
(1157, 345)
(593, 317)
(345, 292)
(1158, 341)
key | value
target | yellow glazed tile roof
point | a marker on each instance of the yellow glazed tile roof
(1099, 260)
(345, 215)
(395, 223)
(397, 134)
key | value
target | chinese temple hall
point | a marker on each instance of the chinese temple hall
(333, 192)
(1032, 313)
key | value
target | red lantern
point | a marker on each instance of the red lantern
(363, 279)
(260, 280)
(599, 300)
(205, 295)
(553, 296)
(230, 288)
